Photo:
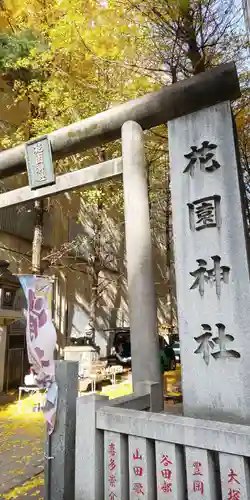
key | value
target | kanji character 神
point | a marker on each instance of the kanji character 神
(138, 489)
(214, 275)
(165, 461)
(232, 476)
(203, 156)
(197, 468)
(233, 494)
(166, 487)
(198, 486)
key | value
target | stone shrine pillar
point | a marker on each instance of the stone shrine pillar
(141, 287)
(3, 337)
(212, 270)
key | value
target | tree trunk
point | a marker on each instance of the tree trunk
(96, 259)
(168, 250)
(187, 34)
(37, 237)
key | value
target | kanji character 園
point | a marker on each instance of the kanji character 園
(205, 213)
(198, 486)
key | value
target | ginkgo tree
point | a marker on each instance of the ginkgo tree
(73, 59)
(62, 71)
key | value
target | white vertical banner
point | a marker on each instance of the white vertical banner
(41, 339)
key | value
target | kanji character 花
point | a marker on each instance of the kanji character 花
(138, 471)
(136, 455)
(165, 461)
(197, 468)
(112, 480)
(38, 148)
(232, 476)
(198, 486)
(166, 473)
(233, 494)
(138, 489)
(166, 487)
(215, 275)
(203, 156)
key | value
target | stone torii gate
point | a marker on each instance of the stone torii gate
(127, 121)
(213, 300)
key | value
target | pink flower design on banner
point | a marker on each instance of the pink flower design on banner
(37, 314)
(40, 354)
